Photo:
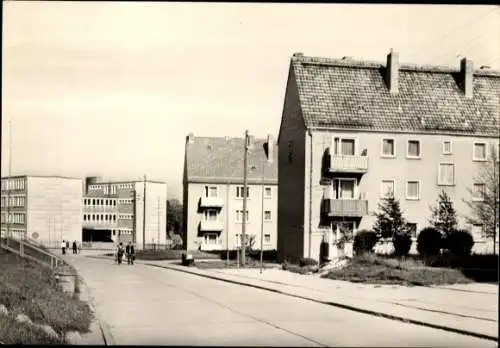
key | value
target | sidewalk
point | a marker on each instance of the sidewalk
(468, 309)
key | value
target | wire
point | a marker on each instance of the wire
(453, 31)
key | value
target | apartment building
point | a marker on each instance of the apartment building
(353, 130)
(213, 192)
(115, 211)
(44, 208)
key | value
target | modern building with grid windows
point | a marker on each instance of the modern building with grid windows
(47, 209)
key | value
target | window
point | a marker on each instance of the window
(84, 217)
(114, 217)
(478, 192)
(413, 190)
(388, 148)
(267, 192)
(479, 152)
(267, 239)
(93, 202)
(413, 149)
(267, 215)
(347, 147)
(239, 216)
(447, 147)
(93, 217)
(446, 174)
(211, 238)
(477, 232)
(387, 187)
(346, 189)
(211, 215)
(211, 191)
(412, 228)
(240, 191)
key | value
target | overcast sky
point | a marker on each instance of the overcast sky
(112, 89)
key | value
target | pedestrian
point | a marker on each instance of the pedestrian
(63, 247)
(119, 253)
(75, 250)
(67, 244)
(130, 251)
(79, 248)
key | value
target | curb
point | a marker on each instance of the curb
(103, 326)
(336, 304)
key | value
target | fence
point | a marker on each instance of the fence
(31, 251)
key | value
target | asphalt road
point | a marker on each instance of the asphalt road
(144, 305)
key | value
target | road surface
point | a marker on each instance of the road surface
(145, 305)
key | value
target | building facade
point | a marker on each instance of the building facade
(115, 212)
(213, 193)
(353, 130)
(45, 209)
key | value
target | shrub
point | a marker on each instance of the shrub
(364, 241)
(460, 242)
(307, 262)
(429, 241)
(402, 243)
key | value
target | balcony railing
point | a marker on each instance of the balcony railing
(215, 226)
(348, 164)
(345, 207)
(211, 202)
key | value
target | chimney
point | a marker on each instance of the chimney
(270, 148)
(190, 138)
(392, 72)
(466, 71)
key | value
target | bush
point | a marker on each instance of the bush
(402, 244)
(429, 241)
(460, 242)
(364, 241)
(306, 261)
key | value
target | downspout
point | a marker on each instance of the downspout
(310, 190)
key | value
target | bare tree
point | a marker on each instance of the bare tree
(485, 205)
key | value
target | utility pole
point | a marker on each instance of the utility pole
(158, 219)
(262, 221)
(245, 192)
(144, 216)
(227, 223)
(495, 195)
(9, 179)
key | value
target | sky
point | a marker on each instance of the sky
(113, 88)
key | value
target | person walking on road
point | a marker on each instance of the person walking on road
(75, 250)
(67, 244)
(129, 250)
(63, 247)
(119, 253)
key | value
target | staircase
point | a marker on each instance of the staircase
(31, 250)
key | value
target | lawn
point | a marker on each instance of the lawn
(30, 289)
(218, 264)
(373, 269)
(12, 332)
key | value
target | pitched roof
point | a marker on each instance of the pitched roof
(221, 159)
(350, 94)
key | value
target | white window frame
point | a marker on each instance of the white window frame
(267, 242)
(417, 198)
(481, 237)
(356, 146)
(270, 216)
(439, 174)
(383, 194)
(478, 199)
(382, 154)
(270, 192)
(206, 239)
(207, 190)
(239, 189)
(419, 156)
(485, 151)
(444, 147)
(240, 221)
(206, 214)
(355, 192)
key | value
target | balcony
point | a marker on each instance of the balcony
(345, 207)
(211, 226)
(211, 202)
(348, 164)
